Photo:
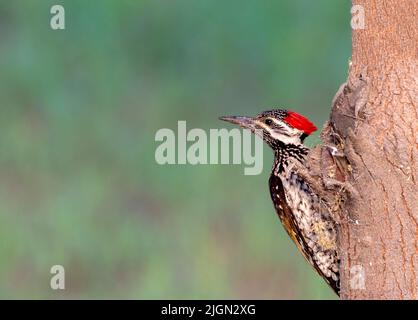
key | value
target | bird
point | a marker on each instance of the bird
(299, 207)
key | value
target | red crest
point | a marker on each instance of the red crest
(299, 122)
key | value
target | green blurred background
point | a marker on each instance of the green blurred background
(79, 185)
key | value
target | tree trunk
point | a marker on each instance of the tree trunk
(374, 126)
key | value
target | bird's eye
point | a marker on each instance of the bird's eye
(268, 122)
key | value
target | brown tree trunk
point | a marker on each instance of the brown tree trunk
(374, 125)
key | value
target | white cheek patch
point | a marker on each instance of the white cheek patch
(285, 139)
(293, 136)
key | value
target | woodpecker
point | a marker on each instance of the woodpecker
(305, 219)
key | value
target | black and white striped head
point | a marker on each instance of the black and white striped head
(277, 127)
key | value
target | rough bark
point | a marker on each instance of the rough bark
(367, 168)
(375, 119)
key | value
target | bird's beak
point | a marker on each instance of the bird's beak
(244, 122)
